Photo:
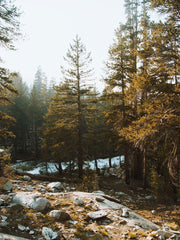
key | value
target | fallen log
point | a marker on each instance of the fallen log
(41, 177)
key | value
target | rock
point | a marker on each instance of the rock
(1, 202)
(124, 235)
(100, 199)
(174, 237)
(79, 201)
(40, 204)
(29, 188)
(149, 197)
(149, 238)
(55, 186)
(21, 227)
(71, 223)
(97, 214)
(64, 216)
(61, 215)
(99, 192)
(123, 222)
(48, 233)
(55, 214)
(8, 186)
(27, 178)
(4, 236)
(31, 201)
(114, 171)
(174, 226)
(164, 233)
(3, 223)
(120, 194)
(4, 218)
(125, 212)
(5, 184)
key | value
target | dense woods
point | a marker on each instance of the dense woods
(137, 114)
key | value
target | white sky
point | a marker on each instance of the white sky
(49, 26)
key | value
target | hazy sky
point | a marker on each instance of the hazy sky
(49, 26)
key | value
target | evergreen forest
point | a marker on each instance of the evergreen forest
(137, 115)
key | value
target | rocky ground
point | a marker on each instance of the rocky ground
(34, 209)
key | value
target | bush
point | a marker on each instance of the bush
(160, 186)
(5, 159)
(90, 181)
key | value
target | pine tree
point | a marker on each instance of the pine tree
(9, 30)
(78, 76)
(38, 108)
(19, 110)
(119, 78)
(60, 135)
(67, 113)
(6, 121)
(167, 60)
(158, 92)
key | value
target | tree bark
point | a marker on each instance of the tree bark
(144, 169)
(110, 162)
(127, 172)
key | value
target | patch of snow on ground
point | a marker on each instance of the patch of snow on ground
(52, 167)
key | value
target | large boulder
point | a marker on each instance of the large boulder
(31, 201)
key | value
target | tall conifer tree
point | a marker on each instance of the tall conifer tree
(9, 30)
(71, 100)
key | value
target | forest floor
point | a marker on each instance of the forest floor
(162, 213)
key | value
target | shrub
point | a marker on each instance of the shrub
(160, 186)
(5, 159)
(90, 181)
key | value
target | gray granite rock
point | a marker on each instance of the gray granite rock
(55, 186)
(4, 236)
(27, 178)
(60, 215)
(100, 199)
(78, 201)
(125, 212)
(31, 201)
(7, 186)
(49, 234)
(97, 214)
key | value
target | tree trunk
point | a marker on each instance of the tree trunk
(80, 151)
(80, 154)
(127, 172)
(96, 165)
(110, 162)
(144, 169)
(60, 168)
